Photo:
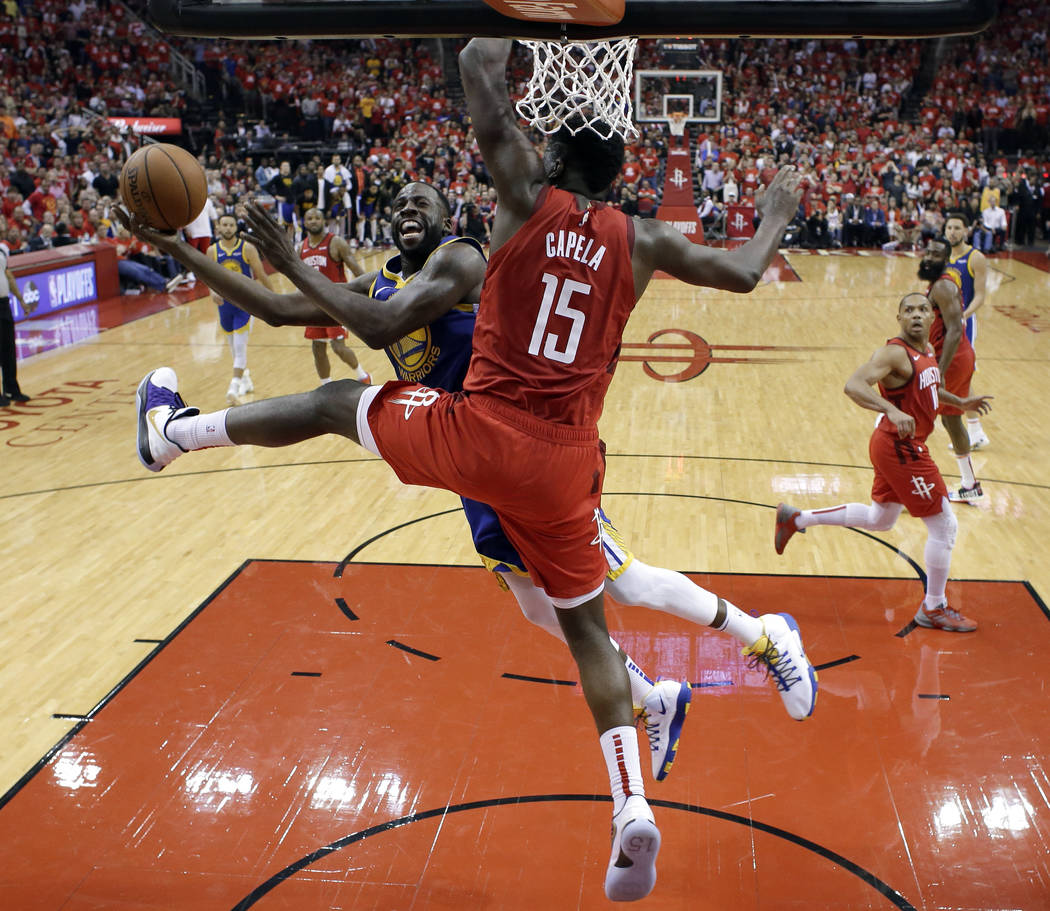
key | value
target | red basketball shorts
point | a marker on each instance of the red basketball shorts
(905, 473)
(957, 379)
(323, 332)
(544, 480)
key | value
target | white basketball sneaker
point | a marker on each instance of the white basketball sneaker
(779, 650)
(663, 712)
(158, 403)
(631, 874)
(233, 391)
(247, 385)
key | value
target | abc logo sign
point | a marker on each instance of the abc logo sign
(31, 294)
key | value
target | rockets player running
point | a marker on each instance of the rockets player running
(328, 253)
(522, 436)
(905, 474)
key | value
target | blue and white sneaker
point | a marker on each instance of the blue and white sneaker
(779, 651)
(158, 402)
(631, 873)
(663, 713)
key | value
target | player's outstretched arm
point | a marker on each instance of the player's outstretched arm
(510, 157)
(982, 404)
(453, 274)
(888, 361)
(659, 246)
(247, 293)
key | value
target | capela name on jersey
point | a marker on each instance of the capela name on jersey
(570, 245)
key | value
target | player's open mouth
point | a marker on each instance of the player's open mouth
(410, 228)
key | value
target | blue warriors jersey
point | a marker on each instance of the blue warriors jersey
(231, 317)
(436, 355)
(963, 267)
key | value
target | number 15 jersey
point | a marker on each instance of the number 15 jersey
(553, 308)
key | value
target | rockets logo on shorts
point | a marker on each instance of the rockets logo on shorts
(921, 487)
(417, 398)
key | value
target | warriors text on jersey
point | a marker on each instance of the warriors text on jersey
(436, 355)
(320, 258)
(556, 298)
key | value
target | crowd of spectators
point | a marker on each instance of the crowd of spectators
(344, 124)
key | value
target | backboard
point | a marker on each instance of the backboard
(695, 93)
(642, 18)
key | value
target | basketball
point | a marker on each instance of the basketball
(164, 186)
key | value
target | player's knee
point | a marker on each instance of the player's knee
(943, 527)
(336, 405)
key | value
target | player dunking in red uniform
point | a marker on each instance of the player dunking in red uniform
(521, 436)
(905, 474)
(327, 253)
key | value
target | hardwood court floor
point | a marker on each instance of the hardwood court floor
(225, 773)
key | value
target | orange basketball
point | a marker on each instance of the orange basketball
(164, 186)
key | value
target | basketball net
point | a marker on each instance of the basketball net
(676, 123)
(581, 84)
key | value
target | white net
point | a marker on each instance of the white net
(676, 123)
(581, 85)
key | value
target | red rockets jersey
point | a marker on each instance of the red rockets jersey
(553, 308)
(917, 397)
(320, 258)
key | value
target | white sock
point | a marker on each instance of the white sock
(974, 428)
(325, 379)
(620, 749)
(199, 431)
(966, 470)
(743, 627)
(362, 374)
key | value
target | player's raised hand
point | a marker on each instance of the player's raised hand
(781, 198)
(271, 239)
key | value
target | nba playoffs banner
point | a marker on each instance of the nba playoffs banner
(56, 289)
(153, 126)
